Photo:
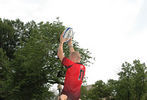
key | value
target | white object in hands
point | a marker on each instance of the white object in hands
(68, 33)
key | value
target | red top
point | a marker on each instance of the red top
(73, 79)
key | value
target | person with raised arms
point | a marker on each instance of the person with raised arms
(75, 71)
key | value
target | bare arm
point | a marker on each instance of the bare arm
(71, 49)
(60, 49)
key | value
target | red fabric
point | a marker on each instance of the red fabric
(73, 79)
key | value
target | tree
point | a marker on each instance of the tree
(12, 32)
(125, 82)
(4, 74)
(131, 84)
(34, 63)
(7, 38)
(111, 85)
(84, 93)
(98, 91)
(139, 76)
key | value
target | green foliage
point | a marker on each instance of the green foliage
(139, 79)
(99, 90)
(7, 38)
(29, 57)
(84, 93)
(11, 33)
(4, 70)
(111, 87)
(132, 85)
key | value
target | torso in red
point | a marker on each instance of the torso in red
(73, 78)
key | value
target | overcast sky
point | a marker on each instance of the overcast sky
(114, 31)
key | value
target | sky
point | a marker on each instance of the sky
(114, 31)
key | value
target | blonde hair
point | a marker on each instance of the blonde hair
(76, 55)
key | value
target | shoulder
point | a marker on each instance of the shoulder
(81, 65)
(67, 62)
(65, 59)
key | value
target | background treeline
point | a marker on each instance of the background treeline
(29, 65)
(131, 85)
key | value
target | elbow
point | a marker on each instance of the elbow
(60, 56)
